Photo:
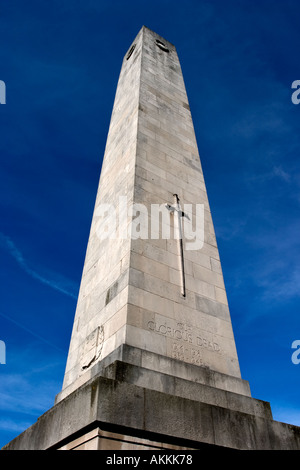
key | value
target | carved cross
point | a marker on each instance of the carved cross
(176, 209)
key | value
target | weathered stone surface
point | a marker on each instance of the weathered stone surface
(151, 153)
(165, 366)
(131, 410)
(172, 385)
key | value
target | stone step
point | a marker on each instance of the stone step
(183, 388)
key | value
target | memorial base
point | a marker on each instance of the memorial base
(128, 406)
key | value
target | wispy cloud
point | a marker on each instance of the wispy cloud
(282, 284)
(11, 426)
(24, 396)
(58, 284)
(273, 270)
(278, 171)
(275, 172)
(28, 330)
(30, 396)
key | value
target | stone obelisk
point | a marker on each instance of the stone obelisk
(131, 288)
(152, 361)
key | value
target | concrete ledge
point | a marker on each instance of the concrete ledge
(165, 365)
(142, 411)
(171, 385)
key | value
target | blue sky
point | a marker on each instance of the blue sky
(60, 61)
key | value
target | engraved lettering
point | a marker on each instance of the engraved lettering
(187, 354)
(185, 334)
(207, 344)
(196, 357)
(178, 334)
(178, 352)
(161, 328)
(151, 325)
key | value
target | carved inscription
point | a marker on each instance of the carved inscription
(181, 332)
(188, 342)
(205, 343)
(187, 354)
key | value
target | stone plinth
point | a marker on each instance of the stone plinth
(130, 407)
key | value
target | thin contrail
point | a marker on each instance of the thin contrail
(17, 255)
(31, 332)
